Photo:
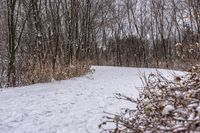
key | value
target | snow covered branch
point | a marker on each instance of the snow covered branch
(164, 105)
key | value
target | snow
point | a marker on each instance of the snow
(198, 109)
(168, 109)
(73, 106)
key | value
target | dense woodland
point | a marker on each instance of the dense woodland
(41, 40)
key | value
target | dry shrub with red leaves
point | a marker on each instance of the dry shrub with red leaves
(164, 106)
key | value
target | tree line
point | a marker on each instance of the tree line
(44, 38)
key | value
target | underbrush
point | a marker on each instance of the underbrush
(31, 72)
(163, 106)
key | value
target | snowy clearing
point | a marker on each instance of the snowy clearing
(69, 106)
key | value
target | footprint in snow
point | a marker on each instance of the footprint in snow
(72, 102)
(79, 94)
(23, 95)
(101, 103)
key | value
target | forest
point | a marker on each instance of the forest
(41, 40)
(99, 66)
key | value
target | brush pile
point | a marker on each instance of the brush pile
(164, 106)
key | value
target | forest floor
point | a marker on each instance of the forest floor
(70, 106)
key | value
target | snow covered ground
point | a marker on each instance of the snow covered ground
(69, 106)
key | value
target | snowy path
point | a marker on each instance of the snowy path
(70, 106)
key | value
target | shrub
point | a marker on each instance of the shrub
(41, 74)
(163, 106)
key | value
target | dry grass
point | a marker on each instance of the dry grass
(41, 74)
